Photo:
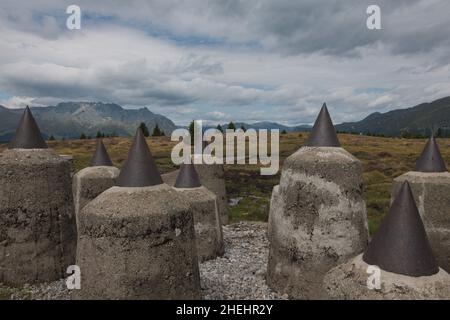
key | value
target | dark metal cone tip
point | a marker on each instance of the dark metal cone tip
(431, 159)
(323, 133)
(140, 168)
(28, 135)
(401, 244)
(101, 156)
(187, 177)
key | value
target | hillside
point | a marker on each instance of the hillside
(411, 121)
(71, 119)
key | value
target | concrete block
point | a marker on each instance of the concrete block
(208, 229)
(37, 220)
(89, 182)
(349, 282)
(212, 177)
(317, 220)
(138, 243)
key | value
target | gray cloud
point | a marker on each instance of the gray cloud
(247, 60)
(330, 26)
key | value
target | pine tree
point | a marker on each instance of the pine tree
(156, 132)
(191, 132)
(82, 136)
(231, 126)
(52, 138)
(144, 129)
(219, 127)
(191, 128)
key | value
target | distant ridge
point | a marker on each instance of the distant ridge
(268, 125)
(409, 122)
(71, 119)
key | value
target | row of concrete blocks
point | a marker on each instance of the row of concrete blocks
(131, 235)
(318, 230)
(148, 239)
(128, 242)
(140, 242)
(209, 207)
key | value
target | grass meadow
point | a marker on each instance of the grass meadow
(383, 159)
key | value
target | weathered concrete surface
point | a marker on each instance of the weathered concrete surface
(69, 158)
(170, 177)
(208, 229)
(90, 182)
(212, 178)
(138, 243)
(37, 220)
(432, 195)
(349, 281)
(275, 202)
(317, 220)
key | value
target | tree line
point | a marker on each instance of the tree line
(405, 134)
(157, 132)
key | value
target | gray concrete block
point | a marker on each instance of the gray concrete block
(138, 243)
(37, 220)
(212, 177)
(89, 182)
(349, 281)
(317, 220)
(208, 229)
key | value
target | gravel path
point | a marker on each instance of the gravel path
(46, 291)
(239, 274)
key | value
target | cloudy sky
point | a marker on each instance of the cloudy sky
(222, 60)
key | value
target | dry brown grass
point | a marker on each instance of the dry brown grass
(383, 159)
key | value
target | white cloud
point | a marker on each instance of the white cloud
(383, 100)
(439, 89)
(217, 115)
(246, 61)
(20, 102)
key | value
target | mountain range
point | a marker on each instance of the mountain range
(269, 126)
(71, 119)
(417, 120)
